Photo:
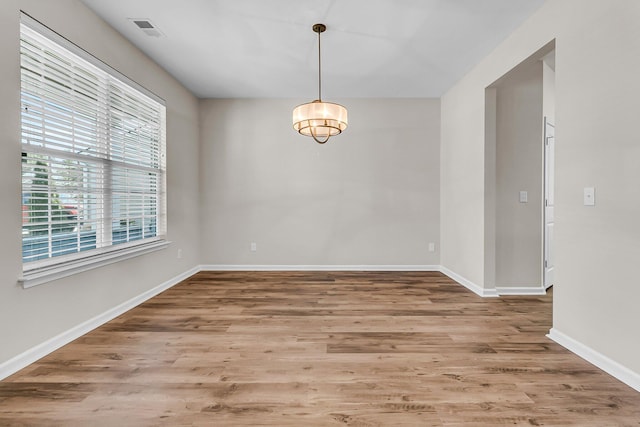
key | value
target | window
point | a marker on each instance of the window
(93, 155)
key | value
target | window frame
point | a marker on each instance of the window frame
(55, 267)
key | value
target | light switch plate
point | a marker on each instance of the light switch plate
(589, 196)
(524, 197)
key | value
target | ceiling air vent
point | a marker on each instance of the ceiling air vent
(147, 27)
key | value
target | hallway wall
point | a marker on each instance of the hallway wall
(597, 64)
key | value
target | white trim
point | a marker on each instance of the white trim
(366, 267)
(58, 271)
(613, 368)
(314, 267)
(24, 359)
(520, 290)
(479, 290)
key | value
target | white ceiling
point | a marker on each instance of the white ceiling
(266, 48)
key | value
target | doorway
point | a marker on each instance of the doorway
(519, 164)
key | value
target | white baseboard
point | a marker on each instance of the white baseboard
(520, 290)
(298, 267)
(22, 360)
(469, 284)
(613, 368)
(490, 292)
(463, 281)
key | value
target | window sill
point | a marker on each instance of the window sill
(48, 274)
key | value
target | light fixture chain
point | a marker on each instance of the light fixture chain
(319, 70)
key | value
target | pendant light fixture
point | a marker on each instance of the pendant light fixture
(318, 119)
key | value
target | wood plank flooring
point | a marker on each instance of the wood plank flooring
(319, 349)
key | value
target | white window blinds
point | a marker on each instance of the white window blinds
(93, 156)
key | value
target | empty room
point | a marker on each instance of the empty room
(319, 212)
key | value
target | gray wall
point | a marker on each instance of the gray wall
(519, 167)
(32, 316)
(367, 197)
(597, 104)
(514, 163)
(549, 89)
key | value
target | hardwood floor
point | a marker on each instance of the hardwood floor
(319, 348)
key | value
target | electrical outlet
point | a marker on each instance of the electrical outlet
(589, 196)
(254, 247)
(179, 253)
(432, 247)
